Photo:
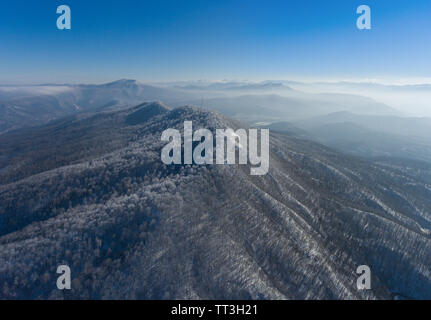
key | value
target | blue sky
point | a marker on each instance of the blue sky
(213, 40)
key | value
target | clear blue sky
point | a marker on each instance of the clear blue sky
(212, 39)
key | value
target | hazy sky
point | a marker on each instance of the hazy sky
(213, 39)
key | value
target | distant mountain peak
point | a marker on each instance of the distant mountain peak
(123, 82)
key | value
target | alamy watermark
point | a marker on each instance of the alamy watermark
(364, 280)
(64, 21)
(199, 147)
(364, 20)
(63, 281)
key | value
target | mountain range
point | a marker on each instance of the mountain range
(89, 190)
(35, 105)
(24, 106)
(368, 136)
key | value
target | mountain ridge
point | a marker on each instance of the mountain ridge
(131, 227)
